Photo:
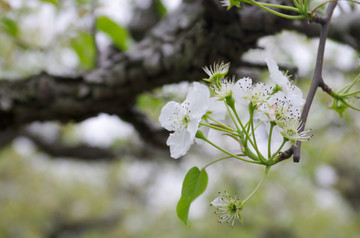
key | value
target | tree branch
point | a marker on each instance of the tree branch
(197, 34)
(317, 80)
(79, 152)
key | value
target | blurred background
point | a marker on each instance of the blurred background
(46, 190)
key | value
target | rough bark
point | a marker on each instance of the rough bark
(175, 50)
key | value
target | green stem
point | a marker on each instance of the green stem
(306, 5)
(279, 6)
(349, 94)
(247, 137)
(251, 110)
(218, 160)
(278, 150)
(229, 153)
(353, 83)
(222, 124)
(257, 186)
(272, 124)
(296, 3)
(275, 12)
(233, 119)
(219, 129)
(236, 115)
(349, 105)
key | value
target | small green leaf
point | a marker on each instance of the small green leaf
(84, 46)
(119, 35)
(194, 184)
(339, 106)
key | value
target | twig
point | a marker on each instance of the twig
(316, 82)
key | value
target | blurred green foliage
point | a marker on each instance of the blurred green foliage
(84, 46)
(119, 35)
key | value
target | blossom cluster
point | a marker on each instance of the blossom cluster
(278, 104)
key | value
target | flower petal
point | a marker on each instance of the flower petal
(275, 74)
(198, 100)
(217, 202)
(179, 143)
(170, 114)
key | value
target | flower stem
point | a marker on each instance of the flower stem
(275, 12)
(225, 151)
(251, 110)
(221, 124)
(272, 124)
(215, 161)
(279, 6)
(246, 132)
(258, 185)
(278, 150)
(219, 128)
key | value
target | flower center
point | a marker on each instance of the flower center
(291, 132)
(232, 208)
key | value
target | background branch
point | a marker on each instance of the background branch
(198, 33)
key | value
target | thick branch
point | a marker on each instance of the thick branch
(148, 131)
(197, 34)
(80, 152)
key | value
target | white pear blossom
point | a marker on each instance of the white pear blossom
(291, 91)
(291, 130)
(278, 108)
(244, 92)
(183, 119)
(223, 88)
(217, 71)
(228, 208)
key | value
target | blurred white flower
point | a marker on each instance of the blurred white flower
(225, 3)
(183, 119)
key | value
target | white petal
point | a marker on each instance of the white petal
(179, 143)
(241, 88)
(296, 97)
(217, 202)
(275, 74)
(193, 126)
(198, 99)
(217, 109)
(169, 115)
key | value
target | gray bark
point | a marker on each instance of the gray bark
(197, 34)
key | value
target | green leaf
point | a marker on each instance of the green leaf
(9, 26)
(160, 8)
(119, 35)
(84, 46)
(339, 106)
(194, 184)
